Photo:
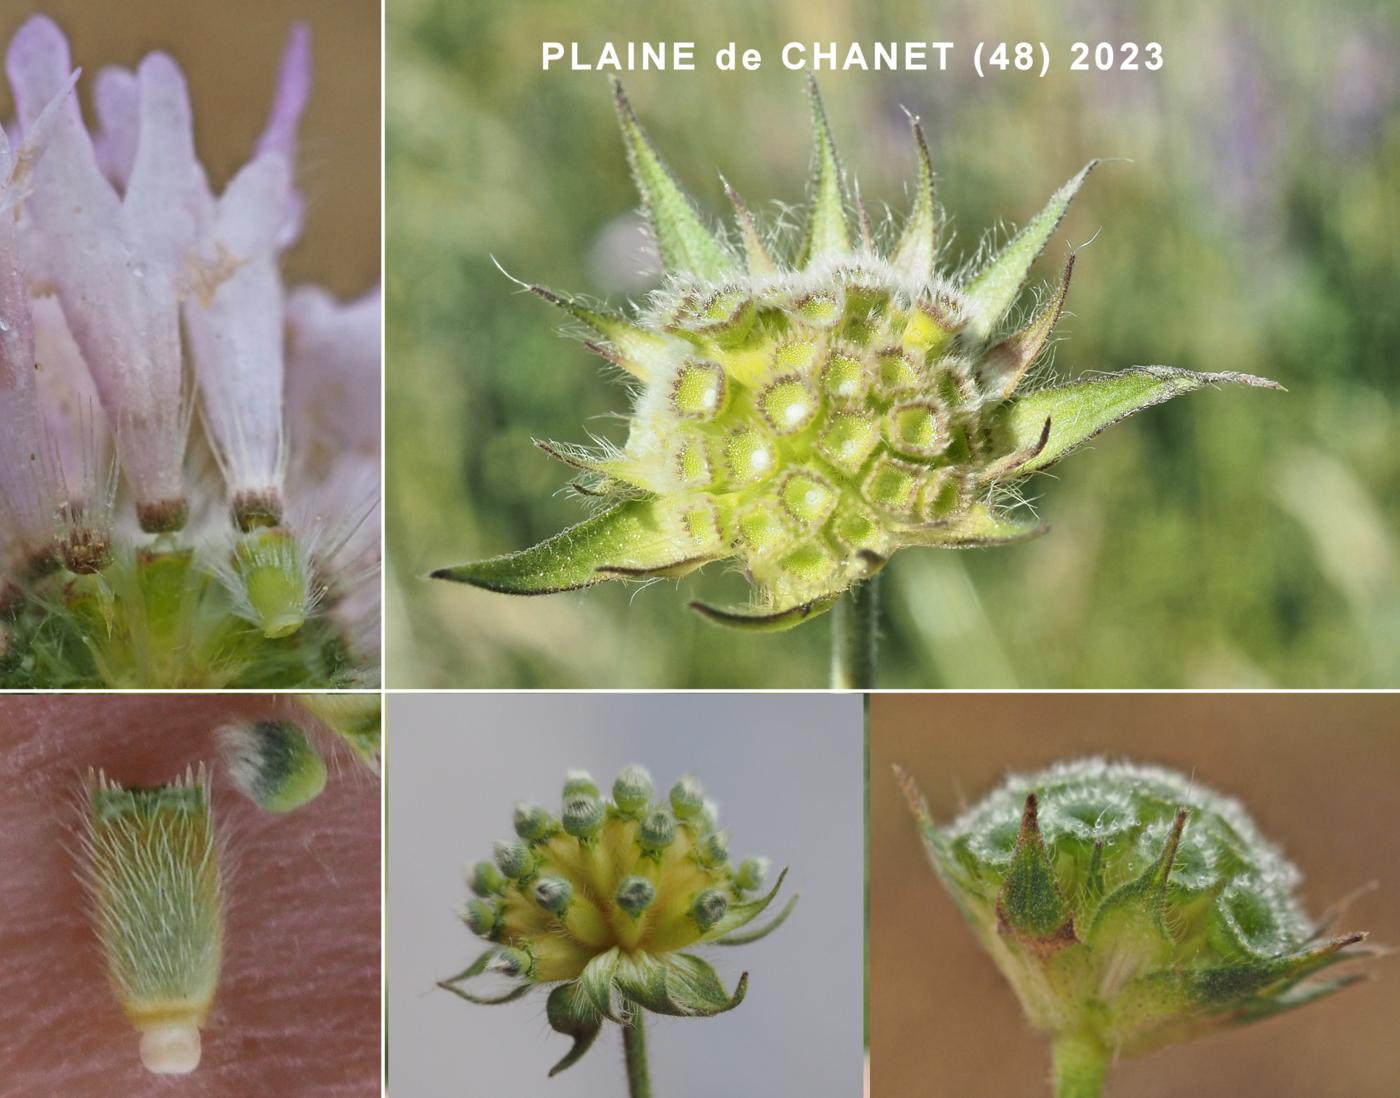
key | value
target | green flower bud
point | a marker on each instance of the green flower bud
(634, 895)
(713, 849)
(272, 763)
(1129, 907)
(709, 908)
(533, 823)
(481, 917)
(810, 414)
(553, 894)
(486, 880)
(749, 876)
(511, 962)
(632, 791)
(514, 859)
(583, 815)
(579, 781)
(687, 798)
(657, 831)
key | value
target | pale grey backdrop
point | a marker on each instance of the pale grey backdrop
(787, 771)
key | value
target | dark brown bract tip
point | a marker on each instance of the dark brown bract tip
(255, 509)
(163, 516)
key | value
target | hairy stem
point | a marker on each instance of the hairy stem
(1080, 1064)
(855, 635)
(634, 1047)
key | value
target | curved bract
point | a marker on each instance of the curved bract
(808, 416)
(603, 903)
(1129, 908)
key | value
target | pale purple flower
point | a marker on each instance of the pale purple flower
(119, 264)
(115, 259)
(234, 316)
(79, 459)
(34, 459)
(26, 505)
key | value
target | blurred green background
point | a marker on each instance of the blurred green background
(1231, 538)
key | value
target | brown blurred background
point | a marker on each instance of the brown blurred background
(1318, 773)
(297, 1009)
(229, 54)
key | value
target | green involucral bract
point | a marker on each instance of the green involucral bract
(176, 617)
(808, 417)
(602, 903)
(1130, 908)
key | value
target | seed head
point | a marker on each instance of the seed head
(808, 415)
(1129, 907)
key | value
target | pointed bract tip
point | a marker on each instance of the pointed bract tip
(755, 253)
(605, 353)
(916, 128)
(1029, 906)
(1168, 858)
(1030, 820)
(545, 294)
(916, 801)
(1062, 291)
(625, 114)
(826, 232)
(685, 243)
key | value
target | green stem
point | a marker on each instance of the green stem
(855, 635)
(1080, 1065)
(634, 1047)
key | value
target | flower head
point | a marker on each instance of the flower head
(121, 564)
(601, 902)
(1130, 908)
(809, 415)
